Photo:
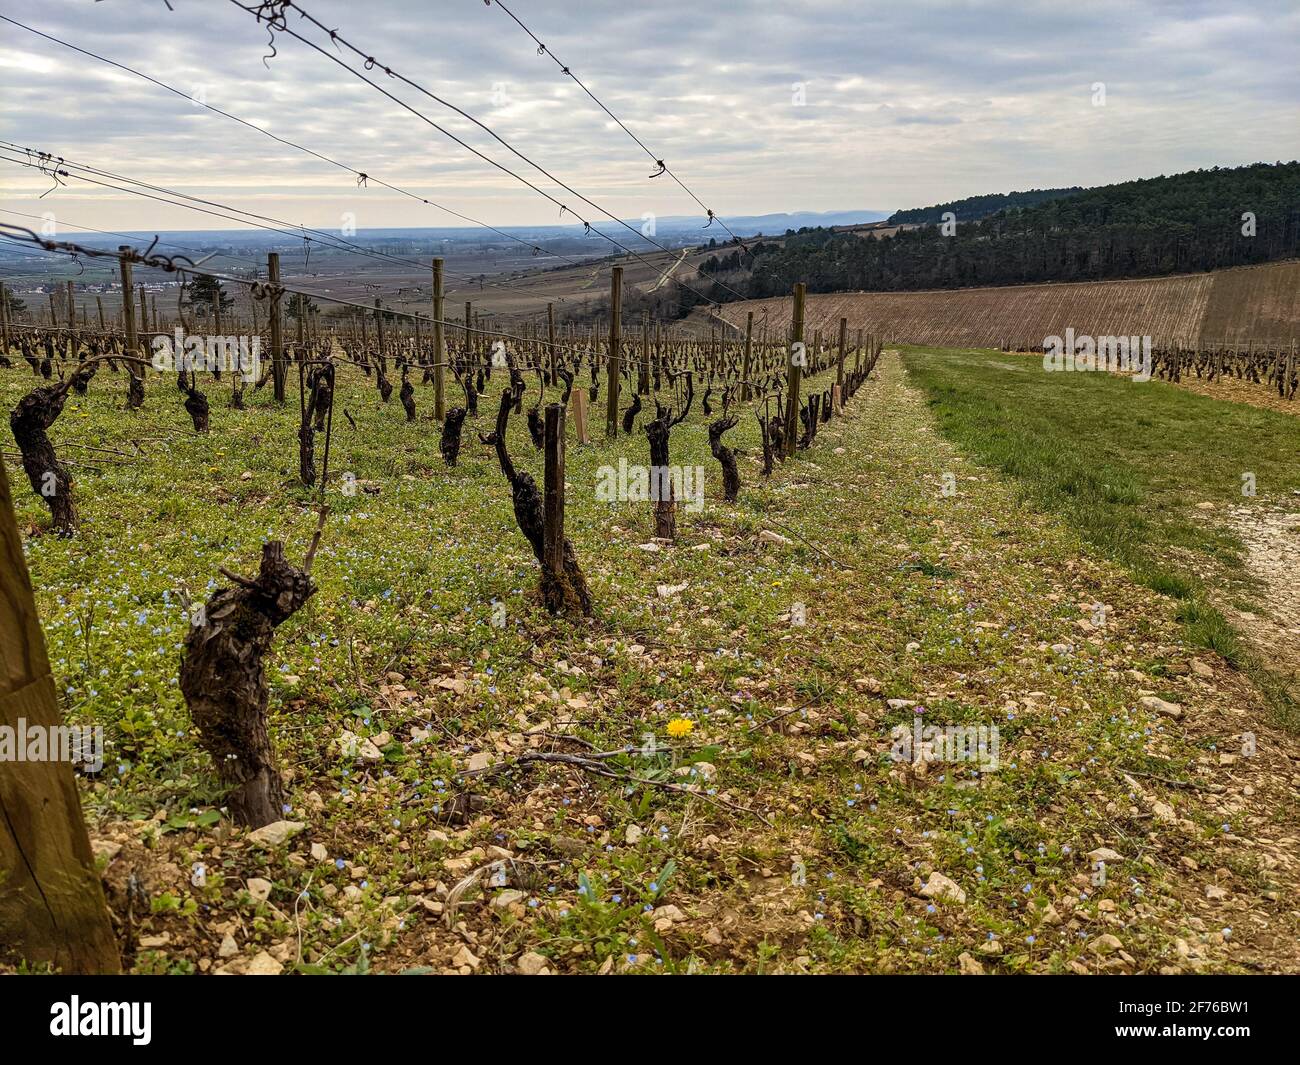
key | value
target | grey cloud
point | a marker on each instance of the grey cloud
(707, 86)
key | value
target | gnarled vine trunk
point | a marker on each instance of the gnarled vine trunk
(725, 456)
(563, 590)
(29, 420)
(449, 444)
(224, 683)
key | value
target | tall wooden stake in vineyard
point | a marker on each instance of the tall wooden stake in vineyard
(615, 351)
(439, 347)
(135, 391)
(745, 390)
(550, 338)
(4, 321)
(279, 371)
(839, 359)
(795, 363)
(643, 378)
(553, 495)
(51, 902)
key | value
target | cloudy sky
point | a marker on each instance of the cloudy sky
(759, 105)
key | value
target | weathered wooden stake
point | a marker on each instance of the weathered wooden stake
(839, 360)
(745, 390)
(279, 371)
(579, 400)
(134, 372)
(795, 362)
(615, 352)
(439, 346)
(553, 500)
(550, 336)
(51, 902)
(643, 379)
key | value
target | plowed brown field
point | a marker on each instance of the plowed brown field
(1250, 304)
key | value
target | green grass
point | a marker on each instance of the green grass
(1124, 464)
(951, 602)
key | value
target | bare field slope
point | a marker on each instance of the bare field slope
(1259, 304)
(1254, 303)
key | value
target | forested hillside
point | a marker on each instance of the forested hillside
(1200, 220)
(973, 208)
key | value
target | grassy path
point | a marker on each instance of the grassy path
(1178, 487)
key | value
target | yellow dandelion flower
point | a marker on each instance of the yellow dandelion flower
(680, 726)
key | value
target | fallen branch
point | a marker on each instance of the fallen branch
(593, 763)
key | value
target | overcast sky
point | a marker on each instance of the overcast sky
(904, 103)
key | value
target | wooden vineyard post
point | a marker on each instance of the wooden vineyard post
(795, 360)
(550, 337)
(839, 361)
(279, 372)
(439, 347)
(553, 500)
(128, 303)
(51, 901)
(469, 337)
(837, 399)
(643, 378)
(134, 372)
(579, 398)
(4, 321)
(72, 307)
(99, 307)
(749, 355)
(615, 354)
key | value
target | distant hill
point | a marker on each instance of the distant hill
(776, 224)
(973, 208)
(695, 227)
(1182, 223)
(692, 228)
